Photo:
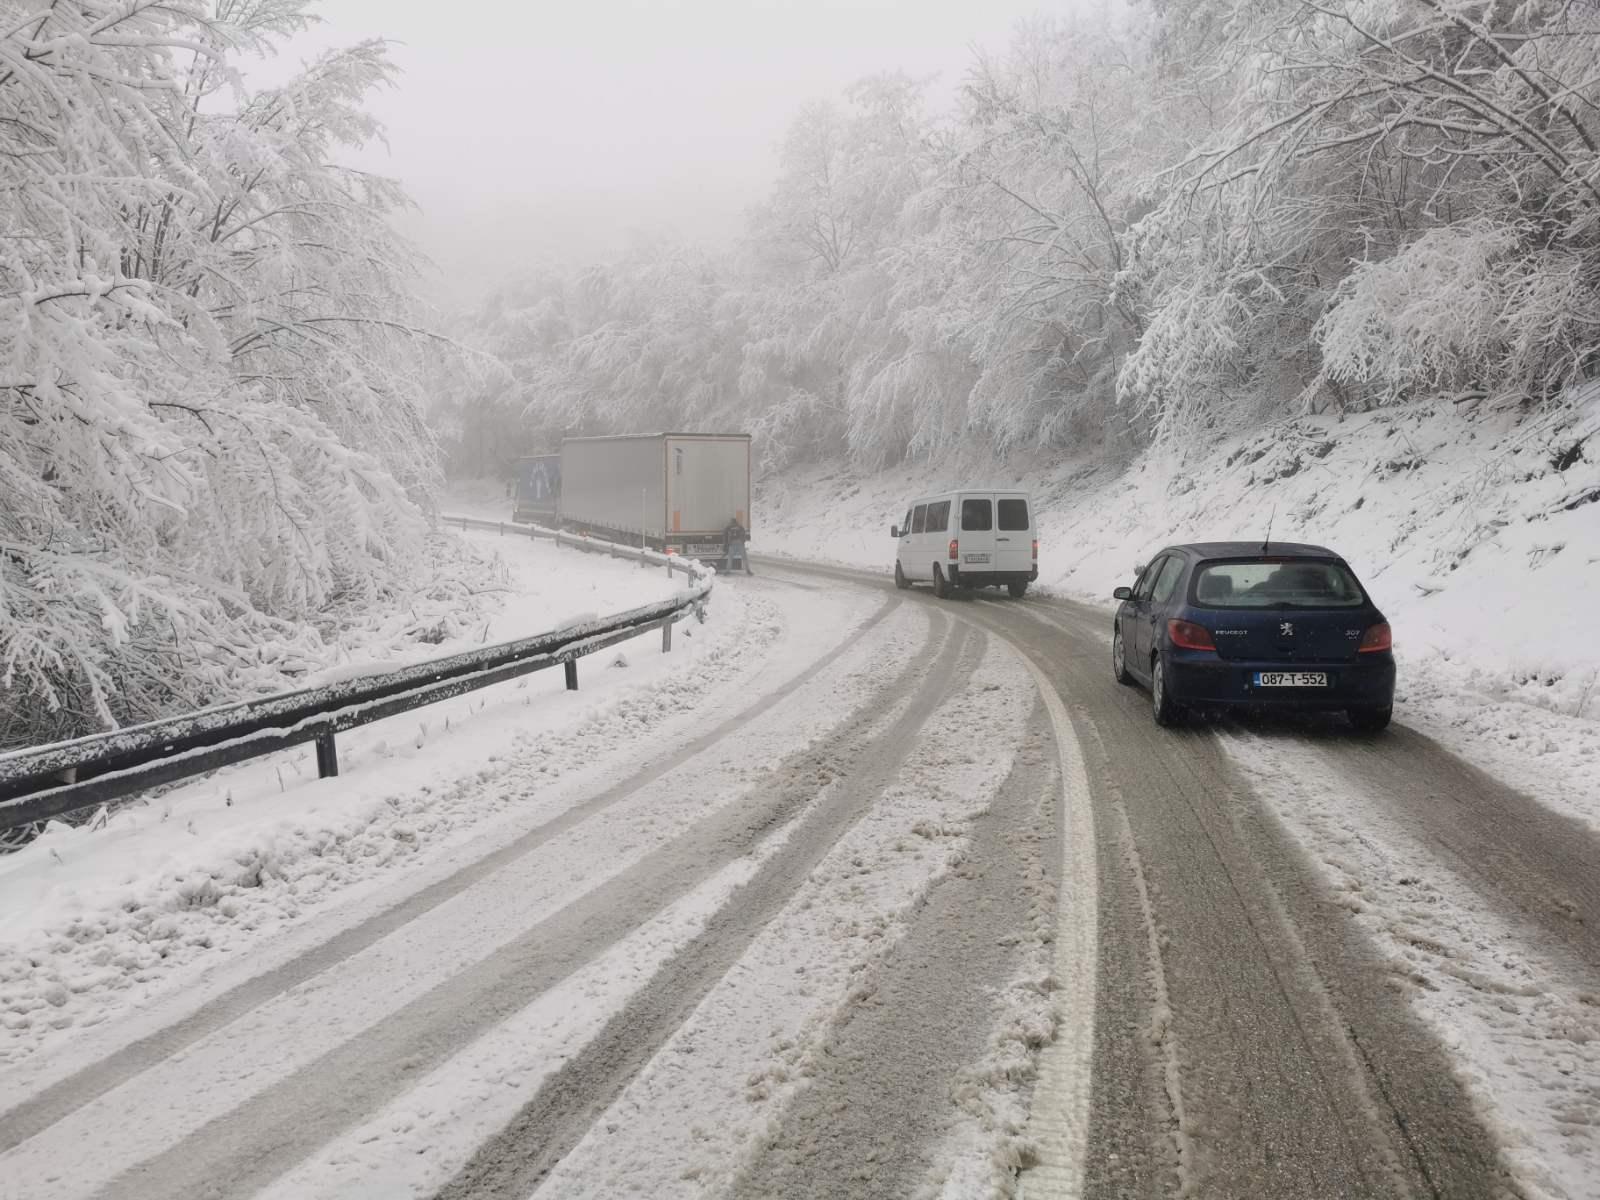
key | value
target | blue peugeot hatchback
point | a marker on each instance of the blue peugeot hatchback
(1254, 625)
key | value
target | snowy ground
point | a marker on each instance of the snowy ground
(1480, 540)
(1482, 545)
(96, 920)
(368, 968)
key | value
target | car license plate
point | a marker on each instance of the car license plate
(703, 550)
(1291, 679)
(975, 558)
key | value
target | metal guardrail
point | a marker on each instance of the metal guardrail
(44, 782)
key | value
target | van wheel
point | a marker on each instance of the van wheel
(1162, 706)
(1018, 590)
(900, 580)
(941, 589)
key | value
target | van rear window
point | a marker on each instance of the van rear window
(938, 516)
(1013, 514)
(976, 515)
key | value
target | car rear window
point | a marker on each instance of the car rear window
(1276, 583)
(1013, 514)
(977, 515)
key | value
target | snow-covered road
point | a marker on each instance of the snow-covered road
(865, 895)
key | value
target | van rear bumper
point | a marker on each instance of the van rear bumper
(968, 577)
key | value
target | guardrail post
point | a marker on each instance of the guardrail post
(572, 674)
(327, 756)
(666, 636)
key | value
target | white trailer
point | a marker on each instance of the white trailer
(668, 491)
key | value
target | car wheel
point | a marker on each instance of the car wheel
(1119, 658)
(900, 580)
(1371, 720)
(1162, 706)
(1017, 590)
(941, 589)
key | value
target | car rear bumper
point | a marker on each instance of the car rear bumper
(1203, 679)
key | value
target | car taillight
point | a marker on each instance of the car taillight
(1186, 635)
(955, 550)
(1377, 638)
(1035, 549)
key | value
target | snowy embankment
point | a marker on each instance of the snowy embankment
(1477, 534)
(100, 918)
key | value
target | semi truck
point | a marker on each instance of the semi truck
(684, 493)
(536, 490)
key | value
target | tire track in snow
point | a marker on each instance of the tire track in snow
(901, 1060)
(1301, 1072)
(67, 1095)
(243, 1150)
(512, 1164)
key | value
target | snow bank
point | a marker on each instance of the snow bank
(1477, 533)
(110, 913)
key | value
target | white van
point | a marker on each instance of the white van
(966, 539)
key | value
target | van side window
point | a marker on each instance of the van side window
(1013, 514)
(1168, 580)
(919, 518)
(905, 526)
(939, 516)
(976, 515)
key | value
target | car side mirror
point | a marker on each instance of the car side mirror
(1122, 594)
(894, 531)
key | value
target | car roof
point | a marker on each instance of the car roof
(1256, 550)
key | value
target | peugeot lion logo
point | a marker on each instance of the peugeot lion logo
(1286, 629)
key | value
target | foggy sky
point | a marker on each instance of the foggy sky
(543, 130)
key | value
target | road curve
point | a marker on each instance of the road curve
(1233, 1032)
(1249, 1039)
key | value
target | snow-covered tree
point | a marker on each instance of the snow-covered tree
(210, 419)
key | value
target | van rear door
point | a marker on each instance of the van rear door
(1013, 532)
(977, 532)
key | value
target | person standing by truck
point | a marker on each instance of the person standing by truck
(736, 538)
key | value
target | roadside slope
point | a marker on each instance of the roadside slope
(1479, 538)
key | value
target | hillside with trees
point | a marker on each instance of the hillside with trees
(1150, 228)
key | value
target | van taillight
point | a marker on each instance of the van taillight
(1035, 549)
(955, 550)
(1186, 635)
(1376, 639)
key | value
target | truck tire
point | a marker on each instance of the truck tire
(941, 589)
(900, 580)
(1018, 590)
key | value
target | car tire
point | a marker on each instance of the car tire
(941, 589)
(1017, 590)
(900, 580)
(1163, 707)
(1371, 720)
(1119, 658)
